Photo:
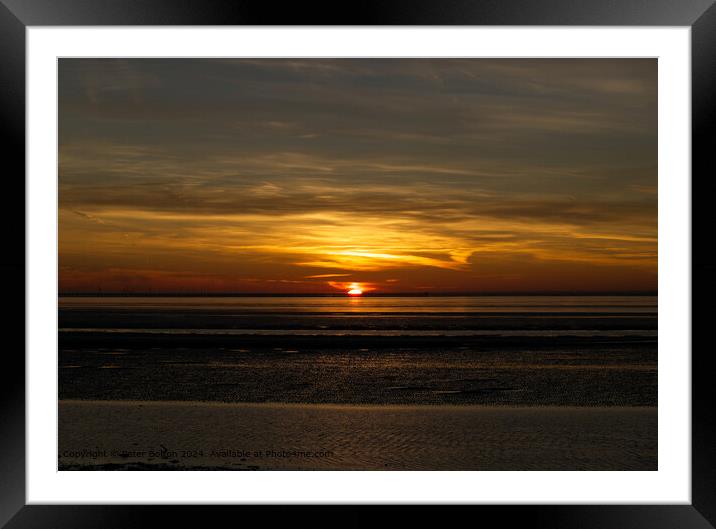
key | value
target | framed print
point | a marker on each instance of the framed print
(417, 256)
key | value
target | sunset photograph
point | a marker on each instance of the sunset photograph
(357, 264)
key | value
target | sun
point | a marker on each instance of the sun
(355, 290)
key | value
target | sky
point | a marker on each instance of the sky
(400, 175)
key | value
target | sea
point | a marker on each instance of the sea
(455, 350)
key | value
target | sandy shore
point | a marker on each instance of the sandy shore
(137, 435)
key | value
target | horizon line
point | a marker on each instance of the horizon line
(365, 294)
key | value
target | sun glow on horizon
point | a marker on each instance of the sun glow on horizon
(355, 290)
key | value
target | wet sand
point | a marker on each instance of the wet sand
(148, 435)
(511, 371)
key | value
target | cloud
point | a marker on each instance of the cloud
(285, 172)
(88, 216)
(318, 276)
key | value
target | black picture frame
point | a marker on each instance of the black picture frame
(16, 15)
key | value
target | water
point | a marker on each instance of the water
(370, 332)
(375, 305)
(430, 316)
(493, 350)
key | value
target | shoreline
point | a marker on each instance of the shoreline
(166, 341)
(340, 405)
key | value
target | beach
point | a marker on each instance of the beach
(382, 383)
(123, 435)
